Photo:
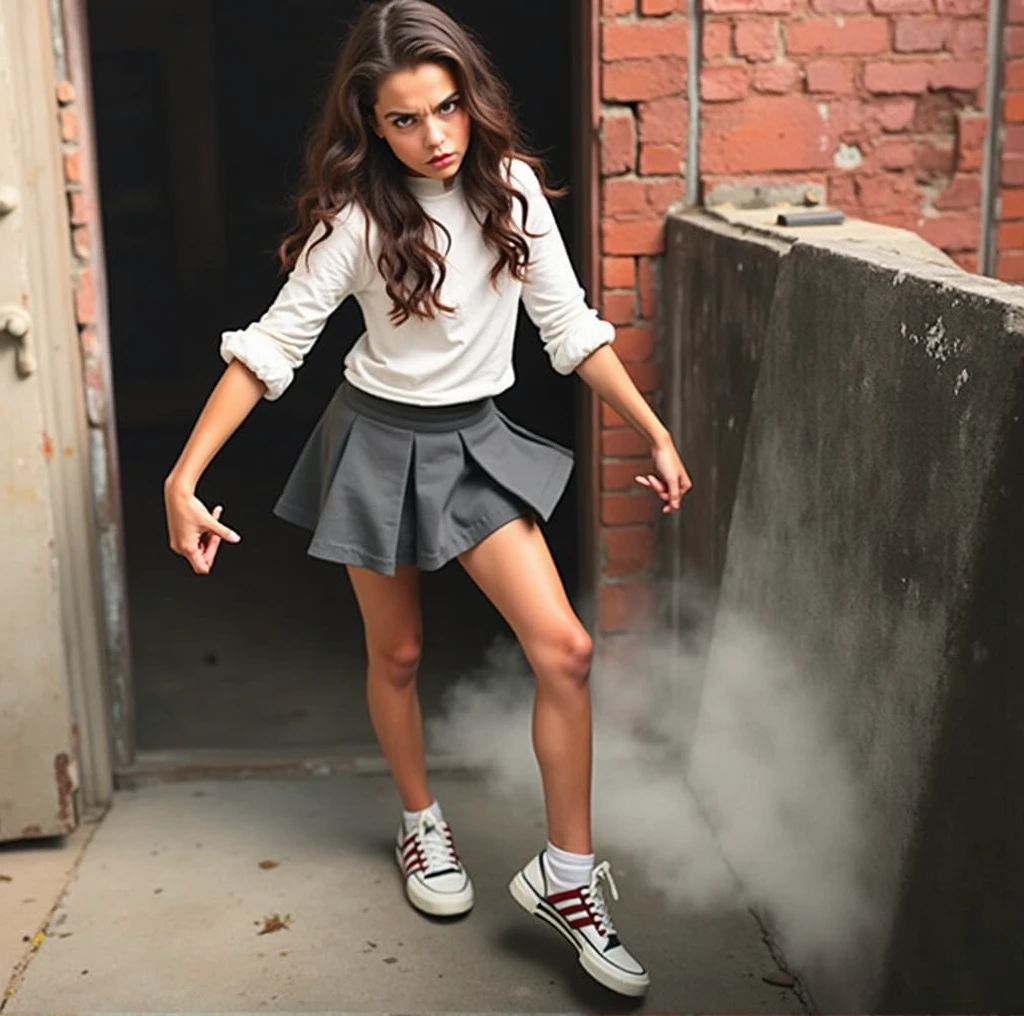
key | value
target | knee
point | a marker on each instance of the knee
(569, 655)
(398, 662)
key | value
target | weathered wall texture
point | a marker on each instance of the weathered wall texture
(643, 141)
(880, 100)
(872, 538)
(82, 212)
(717, 301)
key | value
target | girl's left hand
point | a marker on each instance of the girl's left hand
(670, 481)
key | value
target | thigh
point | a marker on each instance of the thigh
(390, 606)
(514, 569)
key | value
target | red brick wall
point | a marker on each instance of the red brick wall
(643, 145)
(81, 211)
(1010, 230)
(880, 100)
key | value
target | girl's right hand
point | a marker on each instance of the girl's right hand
(195, 533)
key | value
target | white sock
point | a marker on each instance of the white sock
(411, 819)
(566, 871)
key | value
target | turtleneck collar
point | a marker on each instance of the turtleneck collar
(428, 187)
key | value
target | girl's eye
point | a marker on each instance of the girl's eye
(402, 121)
(450, 107)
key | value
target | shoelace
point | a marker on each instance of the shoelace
(437, 847)
(602, 873)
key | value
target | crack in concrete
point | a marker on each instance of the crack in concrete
(21, 967)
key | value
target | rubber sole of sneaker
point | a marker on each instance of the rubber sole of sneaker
(449, 905)
(610, 977)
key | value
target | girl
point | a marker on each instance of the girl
(420, 203)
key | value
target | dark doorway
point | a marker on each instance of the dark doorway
(202, 110)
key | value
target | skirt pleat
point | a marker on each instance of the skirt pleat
(382, 484)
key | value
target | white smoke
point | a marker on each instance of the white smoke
(717, 768)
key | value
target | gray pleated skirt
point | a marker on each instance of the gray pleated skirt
(383, 484)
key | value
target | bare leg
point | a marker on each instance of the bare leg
(515, 570)
(390, 606)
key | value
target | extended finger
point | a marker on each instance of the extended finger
(212, 526)
(652, 482)
(211, 540)
(222, 531)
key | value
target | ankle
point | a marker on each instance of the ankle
(565, 869)
(411, 817)
(417, 802)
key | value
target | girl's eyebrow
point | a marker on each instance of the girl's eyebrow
(394, 113)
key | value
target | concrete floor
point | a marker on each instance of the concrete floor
(164, 910)
(33, 876)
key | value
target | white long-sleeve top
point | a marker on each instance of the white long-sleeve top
(454, 357)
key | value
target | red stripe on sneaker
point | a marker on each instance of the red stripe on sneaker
(583, 922)
(570, 912)
(569, 894)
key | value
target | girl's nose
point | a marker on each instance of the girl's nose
(434, 133)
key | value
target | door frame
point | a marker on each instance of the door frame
(586, 32)
(69, 440)
(114, 696)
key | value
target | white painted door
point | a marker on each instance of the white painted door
(37, 772)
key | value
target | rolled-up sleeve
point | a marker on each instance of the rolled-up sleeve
(274, 347)
(554, 299)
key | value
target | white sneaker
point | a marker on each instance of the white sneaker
(581, 915)
(435, 880)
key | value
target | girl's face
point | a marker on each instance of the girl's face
(419, 113)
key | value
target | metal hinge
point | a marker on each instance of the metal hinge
(16, 322)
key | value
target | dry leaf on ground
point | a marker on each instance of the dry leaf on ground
(275, 923)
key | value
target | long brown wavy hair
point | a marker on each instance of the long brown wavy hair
(347, 162)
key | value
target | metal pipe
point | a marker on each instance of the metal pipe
(990, 170)
(589, 411)
(696, 20)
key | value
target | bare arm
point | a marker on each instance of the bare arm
(262, 359)
(194, 532)
(604, 373)
(576, 339)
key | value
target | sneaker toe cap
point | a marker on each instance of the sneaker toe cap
(447, 882)
(626, 961)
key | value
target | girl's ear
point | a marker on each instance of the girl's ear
(374, 127)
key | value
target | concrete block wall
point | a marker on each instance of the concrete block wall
(879, 100)
(871, 532)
